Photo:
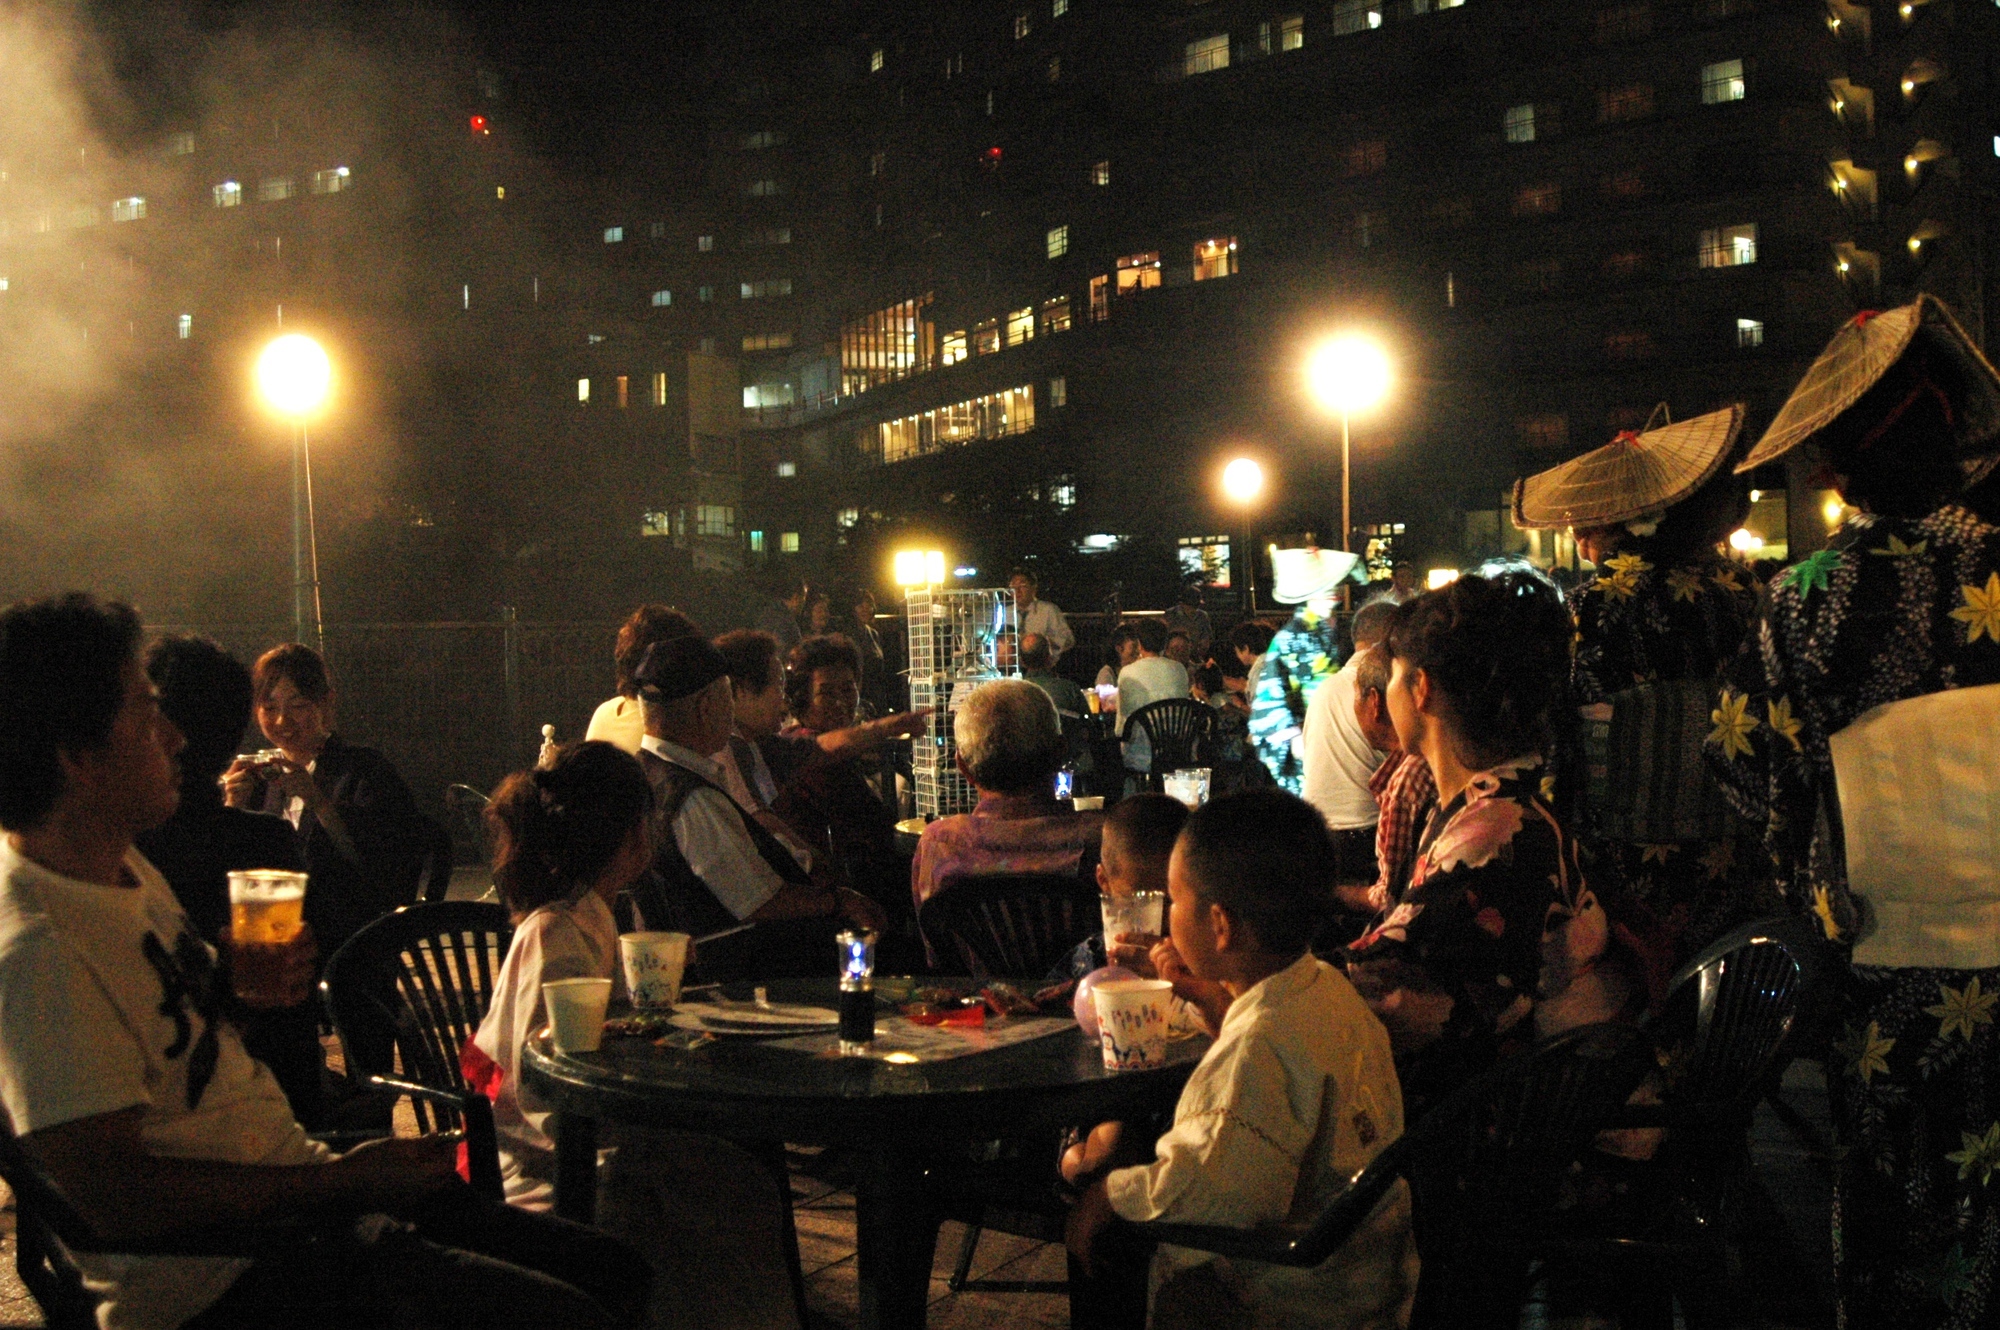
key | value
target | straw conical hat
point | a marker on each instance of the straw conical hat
(1302, 574)
(1857, 358)
(1631, 476)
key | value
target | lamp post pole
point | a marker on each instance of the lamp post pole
(305, 545)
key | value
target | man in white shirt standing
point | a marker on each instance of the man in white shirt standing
(1151, 678)
(1340, 761)
(1039, 616)
(125, 1079)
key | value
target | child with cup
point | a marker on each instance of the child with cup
(1138, 837)
(1297, 1094)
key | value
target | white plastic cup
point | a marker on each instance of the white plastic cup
(654, 964)
(576, 1012)
(1141, 912)
(1189, 785)
(1132, 1023)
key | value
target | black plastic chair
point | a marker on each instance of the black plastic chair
(1014, 925)
(418, 983)
(1180, 733)
(435, 864)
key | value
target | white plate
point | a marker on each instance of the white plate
(777, 1019)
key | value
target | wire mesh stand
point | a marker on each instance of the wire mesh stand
(958, 640)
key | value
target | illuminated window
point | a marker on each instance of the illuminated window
(1366, 158)
(1749, 332)
(228, 194)
(767, 235)
(704, 294)
(1058, 391)
(786, 470)
(1055, 315)
(756, 542)
(1205, 55)
(1022, 25)
(1729, 246)
(992, 416)
(704, 243)
(179, 145)
(1100, 172)
(583, 390)
(1058, 241)
(774, 286)
(623, 384)
(985, 337)
(663, 298)
(1100, 299)
(847, 518)
(1057, 8)
(1215, 258)
(274, 189)
(614, 235)
(770, 341)
(954, 348)
(1062, 493)
(764, 189)
(1055, 69)
(332, 181)
(185, 324)
(1351, 16)
(878, 163)
(1550, 431)
(1138, 272)
(659, 387)
(1205, 559)
(788, 542)
(759, 395)
(714, 519)
(1537, 200)
(1020, 325)
(1722, 82)
(1291, 32)
(1519, 123)
(128, 210)
(887, 345)
(763, 138)
(657, 523)
(1632, 102)
(875, 61)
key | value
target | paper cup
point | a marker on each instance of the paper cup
(576, 1012)
(654, 964)
(1132, 1023)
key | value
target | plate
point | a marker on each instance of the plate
(776, 1019)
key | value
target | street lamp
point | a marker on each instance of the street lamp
(1348, 373)
(293, 375)
(1242, 482)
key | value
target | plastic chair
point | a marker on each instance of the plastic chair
(418, 983)
(435, 865)
(1180, 732)
(1013, 925)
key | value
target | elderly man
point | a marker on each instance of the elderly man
(1150, 676)
(1339, 760)
(1403, 788)
(1038, 667)
(1009, 748)
(714, 865)
(1041, 617)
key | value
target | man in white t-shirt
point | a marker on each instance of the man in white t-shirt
(1150, 678)
(1040, 617)
(128, 1086)
(1340, 761)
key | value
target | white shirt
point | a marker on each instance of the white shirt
(567, 939)
(709, 831)
(1047, 620)
(1339, 759)
(620, 721)
(1296, 1095)
(1147, 679)
(85, 971)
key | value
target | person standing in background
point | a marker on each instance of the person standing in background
(1187, 616)
(1034, 615)
(779, 616)
(1340, 763)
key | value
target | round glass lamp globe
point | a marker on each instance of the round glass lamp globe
(293, 374)
(1349, 373)
(1242, 480)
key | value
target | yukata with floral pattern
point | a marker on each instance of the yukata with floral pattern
(1638, 624)
(1304, 654)
(1496, 918)
(1893, 609)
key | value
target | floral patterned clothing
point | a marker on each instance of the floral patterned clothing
(1303, 656)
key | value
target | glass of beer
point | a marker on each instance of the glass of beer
(266, 912)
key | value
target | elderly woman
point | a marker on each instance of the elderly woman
(1497, 940)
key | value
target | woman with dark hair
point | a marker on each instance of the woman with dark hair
(1497, 941)
(356, 821)
(619, 719)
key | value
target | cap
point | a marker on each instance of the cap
(679, 667)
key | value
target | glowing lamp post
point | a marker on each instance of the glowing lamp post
(1347, 374)
(293, 375)
(1242, 483)
(915, 568)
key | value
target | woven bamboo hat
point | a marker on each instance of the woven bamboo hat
(1633, 476)
(1857, 358)
(1301, 574)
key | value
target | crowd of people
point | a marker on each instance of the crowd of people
(1461, 821)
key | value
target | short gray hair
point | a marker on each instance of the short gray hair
(1008, 737)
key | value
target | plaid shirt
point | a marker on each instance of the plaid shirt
(1405, 793)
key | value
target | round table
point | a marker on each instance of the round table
(896, 1118)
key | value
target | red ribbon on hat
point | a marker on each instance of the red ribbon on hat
(1861, 319)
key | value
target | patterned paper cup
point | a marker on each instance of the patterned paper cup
(1132, 1023)
(654, 964)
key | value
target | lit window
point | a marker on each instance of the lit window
(180, 145)
(875, 61)
(1205, 559)
(954, 348)
(704, 243)
(614, 234)
(985, 337)
(1055, 315)
(788, 542)
(786, 470)
(1291, 32)
(714, 519)
(1100, 172)
(1059, 392)
(662, 299)
(1215, 258)
(185, 324)
(1537, 200)
(227, 194)
(1058, 8)
(465, 296)
(756, 542)
(763, 138)
(583, 390)
(991, 416)
(1062, 493)
(623, 399)
(775, 286)
(1722, 82)
(1138, 272)
(1351, 16)
(659, 387)
(332, 181)
(1729, 246)
(1519, 123)
(274, 189)
(128, 210)
(767, 394)
(878, 163)
(592, 339)
(1058, 241)
(656, 523)
(1020, 325)
(1749, 332)
(1633, 102)
(1022, 25)
(1367, 157)
(764, 189)
(704, 294)
(847, 518)
(770, 341)
(1206, 55)
(888, 344)
(1100, 299)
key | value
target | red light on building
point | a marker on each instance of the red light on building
(478, 124)
(992, 154)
